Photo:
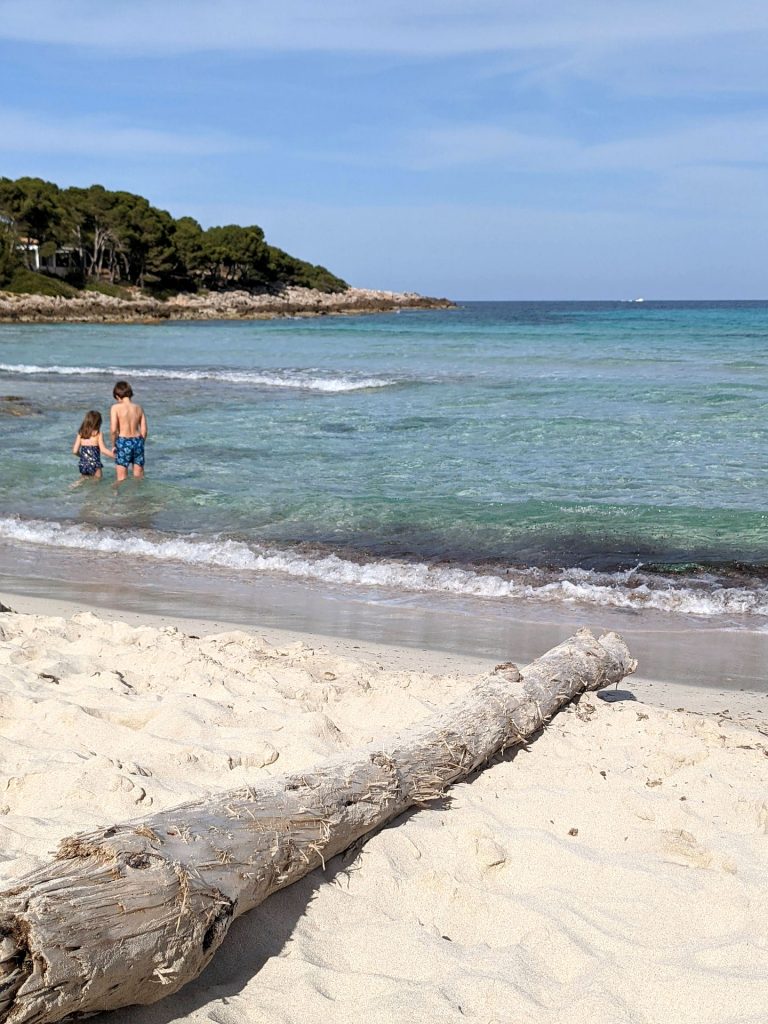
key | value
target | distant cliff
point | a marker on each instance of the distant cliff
(135, 306)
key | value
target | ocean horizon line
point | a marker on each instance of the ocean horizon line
(640, 300)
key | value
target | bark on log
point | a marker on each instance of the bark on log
(131, 913)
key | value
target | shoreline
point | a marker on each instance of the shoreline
(745, 707)
(95, 307)
(692, 665)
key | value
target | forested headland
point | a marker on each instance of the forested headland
(58, 241)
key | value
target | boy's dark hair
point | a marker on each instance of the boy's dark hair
(91, 424)
(122, 390)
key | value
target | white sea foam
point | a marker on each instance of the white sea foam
(626, 590)
(304, 380)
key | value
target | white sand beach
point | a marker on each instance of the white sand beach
(613, 872)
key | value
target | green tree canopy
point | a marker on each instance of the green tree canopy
(119, 237)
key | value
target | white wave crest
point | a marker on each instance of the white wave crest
(606, 590)
(303, 380)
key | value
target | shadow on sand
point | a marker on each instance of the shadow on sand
(252, 940)
(266, 931)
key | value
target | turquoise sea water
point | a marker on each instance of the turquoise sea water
(607, 453)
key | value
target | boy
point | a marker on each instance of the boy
(127, 431)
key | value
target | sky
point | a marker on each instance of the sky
(480, 149)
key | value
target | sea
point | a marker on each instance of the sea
(516, 455)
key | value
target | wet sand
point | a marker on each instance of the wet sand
(682, 662)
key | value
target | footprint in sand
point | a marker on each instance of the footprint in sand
(682, 847)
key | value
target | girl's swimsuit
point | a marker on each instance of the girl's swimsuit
(90, 459)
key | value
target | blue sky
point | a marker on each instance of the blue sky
(479, 150)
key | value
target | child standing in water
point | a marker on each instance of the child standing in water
(89, 445)
(128, 431)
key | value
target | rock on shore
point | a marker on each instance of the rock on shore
(94, 307)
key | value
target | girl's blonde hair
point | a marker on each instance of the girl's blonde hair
(91, 424)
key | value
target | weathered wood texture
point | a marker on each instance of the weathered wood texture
(130, 913)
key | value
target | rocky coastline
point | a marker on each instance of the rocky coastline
(95, 307)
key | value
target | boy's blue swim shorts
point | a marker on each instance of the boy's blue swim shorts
(129, 450)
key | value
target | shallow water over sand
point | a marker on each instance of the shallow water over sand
(607, 456)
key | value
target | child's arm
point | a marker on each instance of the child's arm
(143, 425)
(76, 445)
(110, 452)
(113, 425)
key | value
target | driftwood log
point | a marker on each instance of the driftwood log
(130, 913)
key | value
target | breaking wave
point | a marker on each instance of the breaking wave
(304, 380)
(629, 589)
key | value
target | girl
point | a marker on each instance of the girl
(89, 445)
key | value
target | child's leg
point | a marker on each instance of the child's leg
(121, 474)
(97, 475)
(138, 471)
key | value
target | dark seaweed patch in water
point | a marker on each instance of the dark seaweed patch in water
(551, 559)
(16, 405)
(735, 573)
(419, 422)
(337, 428)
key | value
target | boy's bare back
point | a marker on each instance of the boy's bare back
(127, 419)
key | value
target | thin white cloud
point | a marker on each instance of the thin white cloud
(701, 66)
(724, 140)
(22, 132)
(430, 27)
